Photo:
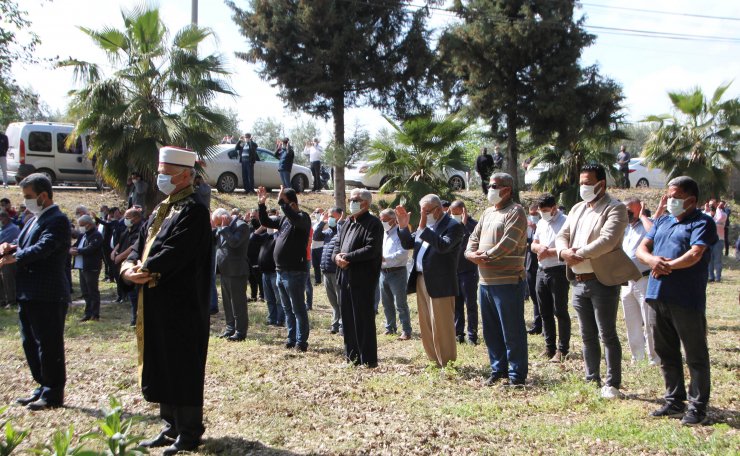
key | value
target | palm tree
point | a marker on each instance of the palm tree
(700, 138)
(416, 155)
(159, 93)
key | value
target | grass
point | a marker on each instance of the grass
(263, 399)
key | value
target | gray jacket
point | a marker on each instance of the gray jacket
(232, 243)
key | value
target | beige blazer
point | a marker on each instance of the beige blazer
(610, 264)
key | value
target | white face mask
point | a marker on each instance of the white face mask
(164, 183)
(355, 207)
(128, 222)
(675, 206)
(546, 216)
(588, 192)
(82, 229)
(494, 196)
(33, 206)
(386, 225)
(457, 217)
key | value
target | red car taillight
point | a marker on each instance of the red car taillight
(22, 153)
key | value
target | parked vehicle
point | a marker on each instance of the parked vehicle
(358, 175)
(40, 147)
(643, 177)
(224, 172)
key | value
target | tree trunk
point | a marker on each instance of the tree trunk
(339, 188)
(512, 151)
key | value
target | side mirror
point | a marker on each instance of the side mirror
(233, 154)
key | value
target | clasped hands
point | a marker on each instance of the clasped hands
(136, 275)
(6, 253)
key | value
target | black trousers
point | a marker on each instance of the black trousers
(90, 292)
(467, 300)
(552, 298)
(42, 337)
(316, 263)
(255, 282)
(358, 321)
(676, 325)
(484, 178)
(316, 172)
(183, 421)
(532, 291)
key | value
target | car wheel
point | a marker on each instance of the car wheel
(48, 173)
(226, 183)
(642, 183)
(299, 183)
(456, 183)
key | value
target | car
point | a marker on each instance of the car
(224, 172)
(643, 177)
(533, 173)
(358, 175)
(40, 147)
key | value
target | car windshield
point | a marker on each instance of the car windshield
(266, 156)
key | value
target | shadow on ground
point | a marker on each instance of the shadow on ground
(228, 446)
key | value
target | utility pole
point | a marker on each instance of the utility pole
(194, 12)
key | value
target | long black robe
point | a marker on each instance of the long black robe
(173, 324)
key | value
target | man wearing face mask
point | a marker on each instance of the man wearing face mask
(42, 291)
(291, 262)
(266, 260)
(467, 279)
(498, 245)
(285, 153)
(130, 236)
(171, 262)
(590, 243)
(394, 278)
(326, 231)
(715, 258)
(256, 239)
(637, 315)
(436, 244)
(358, 254)
(317, 245)
(87, 254)
(551, 284)
(531, 265)
(139, 188)
(677, 251)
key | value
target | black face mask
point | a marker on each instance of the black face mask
(631, 216)
(255, 223)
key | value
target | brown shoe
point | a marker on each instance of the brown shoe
(558, 357)
(404, 336)
(547, 354)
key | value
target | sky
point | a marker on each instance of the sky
(645, 65)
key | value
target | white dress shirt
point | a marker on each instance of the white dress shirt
(545, 234)
(394, 255)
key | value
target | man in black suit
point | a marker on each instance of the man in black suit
(87, 254)
(247, 157)
(358, 254)
(467, 279)
(42, 291)
(232, 244)
(436, 245)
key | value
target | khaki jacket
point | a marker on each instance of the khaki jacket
(610, 264)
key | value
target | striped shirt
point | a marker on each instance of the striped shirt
(502, 234)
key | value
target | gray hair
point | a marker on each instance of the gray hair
(687, 184)
(85, 219)
(389, 212)
(430, 199)
(220, 212)
(505, 178)
(362, 193)
(82, 209)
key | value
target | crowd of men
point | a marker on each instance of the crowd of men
(456, 266)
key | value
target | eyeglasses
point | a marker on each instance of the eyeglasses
(497, 186)
(355, 200)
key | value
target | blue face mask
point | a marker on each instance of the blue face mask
(164, 183)
(332, 222)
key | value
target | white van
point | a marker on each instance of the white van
(41, 145)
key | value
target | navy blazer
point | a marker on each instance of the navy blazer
(232, 245)
(42, 258)
(92, 252)
(441, 259)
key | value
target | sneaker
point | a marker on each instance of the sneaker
(609, 392)
(404, 336)
(558, 357)
(670, 411)
(694, 418)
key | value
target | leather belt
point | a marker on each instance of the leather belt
(397, 268)
(552, 268)
(585, 277)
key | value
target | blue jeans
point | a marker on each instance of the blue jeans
(285, 178)
(275, 313)
(248, 176)
(393, 294)
(292, 286)
(715, 261)
(504, 330)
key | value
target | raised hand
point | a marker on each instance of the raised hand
(402, 216)
(261, 195)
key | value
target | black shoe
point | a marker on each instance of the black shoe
(42, 404)
(132, 324)
(460, 339)
(160, 440)
(694, 418)
(302, 347)
(495, 378)
(27, 400)
(534, 330)
(226, 334)
(515, 383)
(670, 411)
(236, 337)
(214, 311)
(289, 345)
(85, 318)
(333, 330)
(179, 446)
(473, 341)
